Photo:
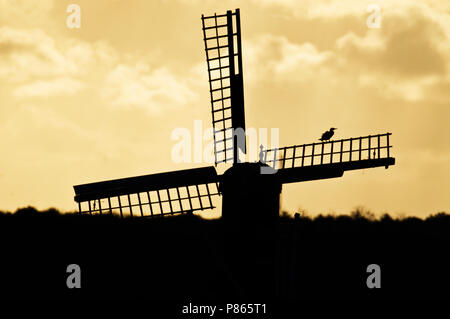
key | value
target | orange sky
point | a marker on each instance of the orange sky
(100, 102)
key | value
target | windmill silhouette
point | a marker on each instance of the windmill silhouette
(250, 191)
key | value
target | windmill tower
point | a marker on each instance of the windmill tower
(250, 191)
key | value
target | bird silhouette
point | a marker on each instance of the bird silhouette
(328, 134)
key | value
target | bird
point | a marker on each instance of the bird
(328, 134)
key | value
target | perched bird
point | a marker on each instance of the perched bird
(328, 134)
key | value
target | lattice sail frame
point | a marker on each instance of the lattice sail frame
(150, 195)
(369, 147)
(222, 38)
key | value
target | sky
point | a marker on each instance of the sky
(101, 101)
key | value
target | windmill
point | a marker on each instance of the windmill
(249, 190)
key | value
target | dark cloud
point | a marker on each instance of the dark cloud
(410, 47)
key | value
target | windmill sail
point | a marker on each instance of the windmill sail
(149, 195)
(222, 37)
(329, 159)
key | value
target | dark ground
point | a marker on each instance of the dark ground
(186, 258)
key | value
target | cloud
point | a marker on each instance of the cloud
(318, 9)
(370, 43)
(295, 55)
(25, 11)
(38, 65)
(65, 66)
(408, 58)
(406, 47)
(153, 90)
(411, 90)
(271, 57)
(334, 9)
(405, 59)
(59, 86)
(30, 53)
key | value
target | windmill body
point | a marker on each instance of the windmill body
(248, 193)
